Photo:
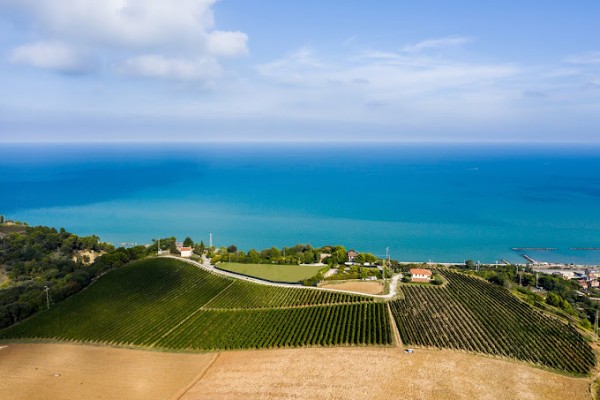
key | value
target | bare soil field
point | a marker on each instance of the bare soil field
(367, 287)
(85, 372)
(378, 373)
(68, 371)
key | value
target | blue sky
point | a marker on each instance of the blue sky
(268, 70)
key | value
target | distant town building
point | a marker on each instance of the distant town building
(565, 274)
(583, 283)
(420, 275)
(592, 273)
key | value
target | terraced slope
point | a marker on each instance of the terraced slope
(474, 315)
(170, 304)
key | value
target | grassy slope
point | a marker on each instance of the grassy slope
(277, 273)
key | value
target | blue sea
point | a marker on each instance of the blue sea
(425, 202)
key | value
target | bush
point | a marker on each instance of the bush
(586, 324)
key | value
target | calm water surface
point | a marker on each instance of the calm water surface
(435, 202)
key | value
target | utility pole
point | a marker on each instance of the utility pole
(210, 240)
(46, 289)
(536, 280)
(387, 260)
(158, 248)
(519, 273)
(596, 326)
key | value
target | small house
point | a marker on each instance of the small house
(352, 255)
(186, 252)
(420, 275)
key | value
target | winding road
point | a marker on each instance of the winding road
(206, 265)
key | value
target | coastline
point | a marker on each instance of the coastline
(476, 202)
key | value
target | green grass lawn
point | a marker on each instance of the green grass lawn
(272, 272)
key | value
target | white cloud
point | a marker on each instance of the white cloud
(227, 44)
(157, 66)
(119, 31)
(293, 67)
(51, 55)
(125, 23)
(386, 72)
(400, 89)
(589, 58)
(450, 41)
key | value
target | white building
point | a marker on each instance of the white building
(420, 275)
(186, 252)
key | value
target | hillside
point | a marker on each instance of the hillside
(166, 303)
(169, 304)
(474, 315)
(33, 259)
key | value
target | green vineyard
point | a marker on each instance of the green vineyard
(473, 315)
(307, 326)
(165, 303)
(169, 304)
(240, 294)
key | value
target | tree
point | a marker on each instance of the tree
(470, 264)
(274, 252)
(554, 299)
(199, 248)
(253, 256)
(363, 258)
(188, 242)
(1, 219)
(173, 248)
(232, 249)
